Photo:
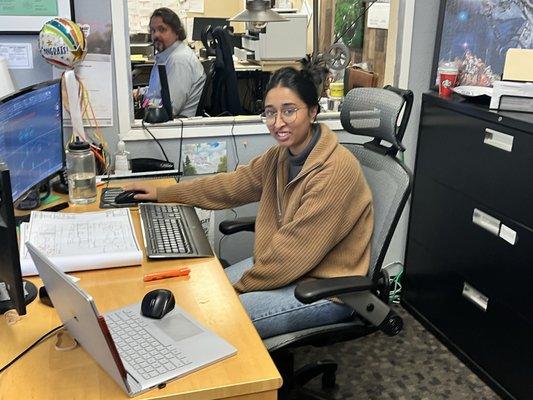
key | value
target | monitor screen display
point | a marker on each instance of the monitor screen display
(200, 23)
(31, 135)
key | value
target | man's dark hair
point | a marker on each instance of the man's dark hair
(170, 18)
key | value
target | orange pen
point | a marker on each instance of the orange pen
(172, 273)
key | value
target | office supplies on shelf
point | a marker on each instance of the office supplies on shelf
(473, 91)
(172, 231)
(512, 96)
(81, 241)
(137, 352)
(172, 273)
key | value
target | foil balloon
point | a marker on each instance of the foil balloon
(62, 43)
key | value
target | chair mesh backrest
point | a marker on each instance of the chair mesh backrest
(372, 112)
(390, 183)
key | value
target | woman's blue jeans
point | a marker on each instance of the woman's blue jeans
(277, 311)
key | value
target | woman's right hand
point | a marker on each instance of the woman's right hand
(147, 192)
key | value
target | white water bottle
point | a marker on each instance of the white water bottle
(122, 162)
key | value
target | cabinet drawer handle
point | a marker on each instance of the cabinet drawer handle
(486, 221)
(475, 296)
(499, 140)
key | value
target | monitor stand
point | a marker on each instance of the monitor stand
(31, 201)
(30, 293)
(61, 185)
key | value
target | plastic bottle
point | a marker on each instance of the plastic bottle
(81, 173)
(122, 162)
(336, 91)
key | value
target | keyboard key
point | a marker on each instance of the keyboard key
(136, 346)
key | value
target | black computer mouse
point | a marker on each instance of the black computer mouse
(127, 197)
(157, 303)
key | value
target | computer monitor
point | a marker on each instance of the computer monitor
(200, 23)
(14, 292)
(31, 136)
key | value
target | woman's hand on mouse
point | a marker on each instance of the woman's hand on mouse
(149, 193)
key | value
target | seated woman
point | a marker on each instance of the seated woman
(315, 215)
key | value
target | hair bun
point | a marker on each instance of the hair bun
(314, 69)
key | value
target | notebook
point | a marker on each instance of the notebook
(180, 336)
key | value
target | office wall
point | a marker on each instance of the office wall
(139, 12)
(416, 31)
(95, 11)
(42, 71)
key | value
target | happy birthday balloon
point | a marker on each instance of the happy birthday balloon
(62, 43)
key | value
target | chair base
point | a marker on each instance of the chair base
(293, 381)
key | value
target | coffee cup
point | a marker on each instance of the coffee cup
(447, 78)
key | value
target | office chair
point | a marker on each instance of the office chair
(225, 94)
(204, 107)
(140, 74)
(370, 112)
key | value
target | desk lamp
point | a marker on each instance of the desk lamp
(257, 14)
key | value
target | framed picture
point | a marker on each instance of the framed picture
(28, 17)
(476, 34)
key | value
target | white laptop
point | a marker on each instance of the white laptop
(152, 352)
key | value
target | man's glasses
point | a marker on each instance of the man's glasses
(288, 115)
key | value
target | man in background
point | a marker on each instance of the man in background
(186, 76)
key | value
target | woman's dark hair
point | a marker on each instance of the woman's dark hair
(170, 18)
(307, 82)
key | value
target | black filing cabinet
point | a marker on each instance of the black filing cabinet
(469, 257)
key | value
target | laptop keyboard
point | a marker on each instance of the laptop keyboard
(165, 229)
(139, 349)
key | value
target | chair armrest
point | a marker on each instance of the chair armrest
(310, 291)
(229, 227)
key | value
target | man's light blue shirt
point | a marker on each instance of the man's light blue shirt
(186, 78)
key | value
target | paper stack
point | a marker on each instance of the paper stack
(81, 241)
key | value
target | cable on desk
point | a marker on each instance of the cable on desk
(38, 341)
(157, 141)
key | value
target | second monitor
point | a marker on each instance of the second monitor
(200, 23)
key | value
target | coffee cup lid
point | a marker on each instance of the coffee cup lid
(448, 67)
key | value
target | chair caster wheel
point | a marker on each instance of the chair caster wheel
(392, 325)
(328, 380)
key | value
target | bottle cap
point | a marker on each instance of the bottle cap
(78, 145)
(121, 146)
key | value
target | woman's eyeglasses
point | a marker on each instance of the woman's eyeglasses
(288, 115)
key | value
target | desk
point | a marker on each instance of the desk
(45, 373)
